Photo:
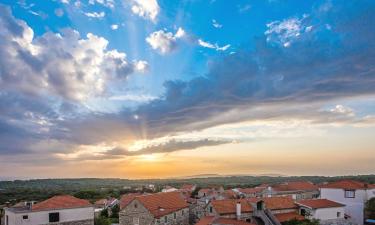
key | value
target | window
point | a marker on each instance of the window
(166, 219)
(25, 217)
(349, 193)
(338, 214)
(210, 209)
(303, 212)
(174, 215)
(182, 212)
(7, 220)
(54, 217)
(135, 220)
(135, 205)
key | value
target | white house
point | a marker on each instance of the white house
(327, 211)
(63, 209)
(352, 194)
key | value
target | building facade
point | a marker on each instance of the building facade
(162, 208)
(58, 210)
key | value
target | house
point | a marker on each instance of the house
(239, 209)
(106, 203)
(169, 189)
(188, 187)
(352, 194)
(250, 192)
(324, 210)
(296, 189)
(167, 208)
(64, 209)
(211, 220)
(216, 192)
(282, 208)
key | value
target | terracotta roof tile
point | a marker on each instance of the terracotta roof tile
(61, 202)
(274, 203)
(250, 190)
(295, 186)
(283, 217)
(209, 220)
(161, 204)
(228, 221)
(319, 203)
(347, 184)
(228, 206)
(127, 198)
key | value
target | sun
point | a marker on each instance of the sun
(149, 157)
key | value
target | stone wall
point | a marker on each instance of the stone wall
(135, 212)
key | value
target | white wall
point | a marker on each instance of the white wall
(42, 217)
(328, 213)
(353, 206)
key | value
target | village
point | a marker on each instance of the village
(341, 202)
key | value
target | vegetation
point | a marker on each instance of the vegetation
(94, 189)
(370, 208)
(102, 221)
(115, 211)
(301, 222)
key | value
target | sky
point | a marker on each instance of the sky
(160, 88)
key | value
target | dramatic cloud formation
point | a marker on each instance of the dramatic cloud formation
(292, 72)
(63, 65)
(165, 42)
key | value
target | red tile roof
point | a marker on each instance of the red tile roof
(283, 217)
(228, 206)
(61, 202)
(274, 203)
(251, 190)
(127, 198)
(161, 204)
(188, 187)
(228, 221)
(319, 203)
(295, 186)
(347, 184)
(209, 220)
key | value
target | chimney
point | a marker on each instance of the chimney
(238, 210)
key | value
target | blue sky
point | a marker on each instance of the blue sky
(109, 82)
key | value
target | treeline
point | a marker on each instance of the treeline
(92, 188)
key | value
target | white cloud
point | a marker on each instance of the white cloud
(114, 26)
(63, 65)
(216, 24)
(106, 3)
(133, 98)
(164, 42)
(212, 46)
(141, 66)
(95, 14)
(148, 9)
(343, 110)
(286, 31)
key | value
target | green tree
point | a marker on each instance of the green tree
(102, 221)
(115, 210)
(370, 208)
(104, 213)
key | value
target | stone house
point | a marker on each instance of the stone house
(216, 192)
(239, 209)
(296, 189)
(168, 208)
(58, 210)
(282, 208)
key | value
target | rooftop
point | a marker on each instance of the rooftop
(158, 204)
(295, 186)
(209, 220)
(228, 206)
(283, 217)
(61, 202)
(319, 203)
(348, 184)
